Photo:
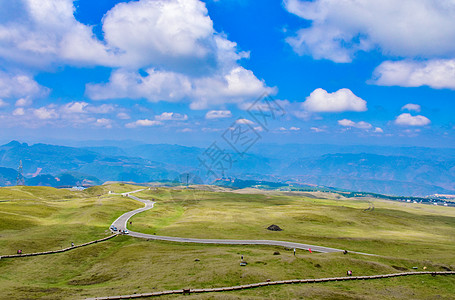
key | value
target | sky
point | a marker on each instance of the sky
(185, 71)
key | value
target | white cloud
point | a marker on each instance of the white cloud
(360, 125)
(84, 107)
(406, 28)
(317, 129)
(19, 112)
(143, 123)
(294, 128)
(45, 113)
(191, 61)
(186, 130)
(411, 107)
(174, 34)
(156, 86)
(101, 109)
(378, 130)
(174, 40)
(106, 123)
(175, 37)
(244, 121)
(342, 100)
(157, 32)
(123, 116)
(20, 85)
(23, 102)
(409, 120)
(258, 129)
(437, 73)
(237, 86)
(3, 103)
(39, 33)
(218, 114)
(171, 116)
(75, 107)
(301, 114)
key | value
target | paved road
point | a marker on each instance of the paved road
(121, 224)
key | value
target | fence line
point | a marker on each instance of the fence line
(261, 284)
(57, 251)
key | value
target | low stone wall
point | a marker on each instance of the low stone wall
(57, 251)
(261, 284)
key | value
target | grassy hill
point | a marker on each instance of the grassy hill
(40, 218)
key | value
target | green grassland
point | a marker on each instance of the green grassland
(37, 218)
(392, 229)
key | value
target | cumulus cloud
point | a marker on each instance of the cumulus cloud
(244, 121)
(407, 119)
(45, 113)
(342, 100)
(157, 32)
(294, 128)
(19, 112)
(339, 29)
(20, 85)
(173, 40)
(155, 86)
(39, 33)
(378, 130)
(317, 129)
(171, 116)
(75, 107)
(81, 107)
(123, 116)
(411, 107)
(73, 114)
(23, 102)
(360, 125)
(143, 123)
(235, 87)
(184, 57)
(106, 123)
(437, 73)
(218, 114)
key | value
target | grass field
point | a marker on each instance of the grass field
(36, 219)
(392, 229)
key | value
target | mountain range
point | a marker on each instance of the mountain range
(405, 171)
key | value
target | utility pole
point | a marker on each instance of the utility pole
(20, 176)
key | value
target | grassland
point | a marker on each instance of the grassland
(36, 219)
(392, 229)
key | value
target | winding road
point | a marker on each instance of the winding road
(122, 221)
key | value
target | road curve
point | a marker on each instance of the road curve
(121, 224)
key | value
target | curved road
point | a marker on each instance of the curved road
(121, 224)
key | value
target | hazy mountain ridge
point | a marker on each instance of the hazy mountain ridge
(41, 159)
(410, 171)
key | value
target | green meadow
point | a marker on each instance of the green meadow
(403, 235)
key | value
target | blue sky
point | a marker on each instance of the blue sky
(183, 71)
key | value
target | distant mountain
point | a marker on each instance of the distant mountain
(290, 152)
(395, 175)
(63, 180)
(42, 159)
(184, 159)
(8, 176)
(411, 171)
